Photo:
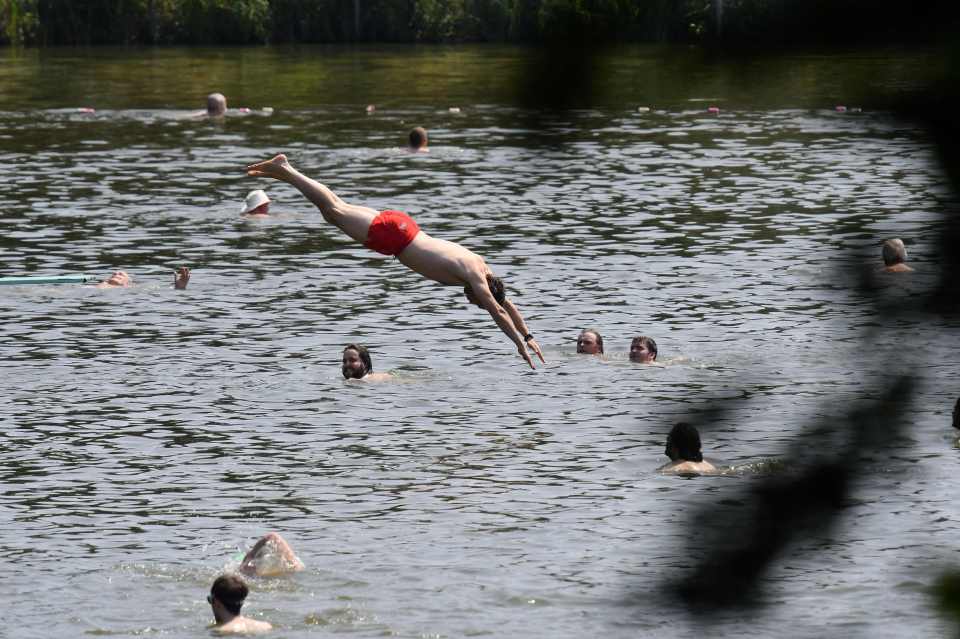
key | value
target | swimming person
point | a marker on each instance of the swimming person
(118, 279)
(395, 233)
(121, 279)
(216, 105)
(226, 599)
(895, 256)
(643, 350)
(589, 342)
(683, 449)
(270, 556)
(356, 364)
(417, 140)
(256, 203)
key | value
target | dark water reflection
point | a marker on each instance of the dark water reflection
(152, 434)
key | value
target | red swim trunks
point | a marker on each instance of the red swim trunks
(390, 232)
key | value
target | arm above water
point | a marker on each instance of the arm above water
(478, 283)
(521, 327)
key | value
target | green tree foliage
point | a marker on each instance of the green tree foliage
(18, 21)
(93, 22)
(222, 21)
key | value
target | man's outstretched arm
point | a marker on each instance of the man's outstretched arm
(521, 328)
(485, 298)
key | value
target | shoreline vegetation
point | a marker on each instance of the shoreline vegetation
(259, 22)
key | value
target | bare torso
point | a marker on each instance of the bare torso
(442, 261)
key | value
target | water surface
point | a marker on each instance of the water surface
(151, 434)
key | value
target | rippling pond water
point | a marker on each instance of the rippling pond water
(151, 435)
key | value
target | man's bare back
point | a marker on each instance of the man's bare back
(439, 260)
(443, 261)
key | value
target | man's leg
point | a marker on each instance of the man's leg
(349, 218)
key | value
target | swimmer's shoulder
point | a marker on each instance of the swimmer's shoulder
(243, 626)
(689, 468)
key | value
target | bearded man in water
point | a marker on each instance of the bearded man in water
(395, 233)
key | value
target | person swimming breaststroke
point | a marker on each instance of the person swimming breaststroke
(395, 233)
(683, 449)
(226, 599)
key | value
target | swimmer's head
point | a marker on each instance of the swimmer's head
(894, 252)
(683, 443)
(643, 349)
(216, 104)
(230, 591)
(589, 342)
(418, 138)
(356, 362)
(256, 203)
(956, 414)
(119, 278)
(495, 284)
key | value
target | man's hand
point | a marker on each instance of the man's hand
(532, 343)
(525, 355)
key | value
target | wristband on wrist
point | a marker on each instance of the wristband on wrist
(528, 337)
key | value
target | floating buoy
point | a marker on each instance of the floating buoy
(371, 108)
(86, 110)
(643, 109)
(713, 110)
(454, 109)
(840, 108)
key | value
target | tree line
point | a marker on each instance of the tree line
(250, 22)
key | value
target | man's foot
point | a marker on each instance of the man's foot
(277, 168)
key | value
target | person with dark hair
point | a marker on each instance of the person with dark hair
(683, 449)
(956, 415)
(357, 364)
(226, 599)
(395, 233)
(895, 257)
(589, 342)
(643, 350)
(418, 140)
(270, 556)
